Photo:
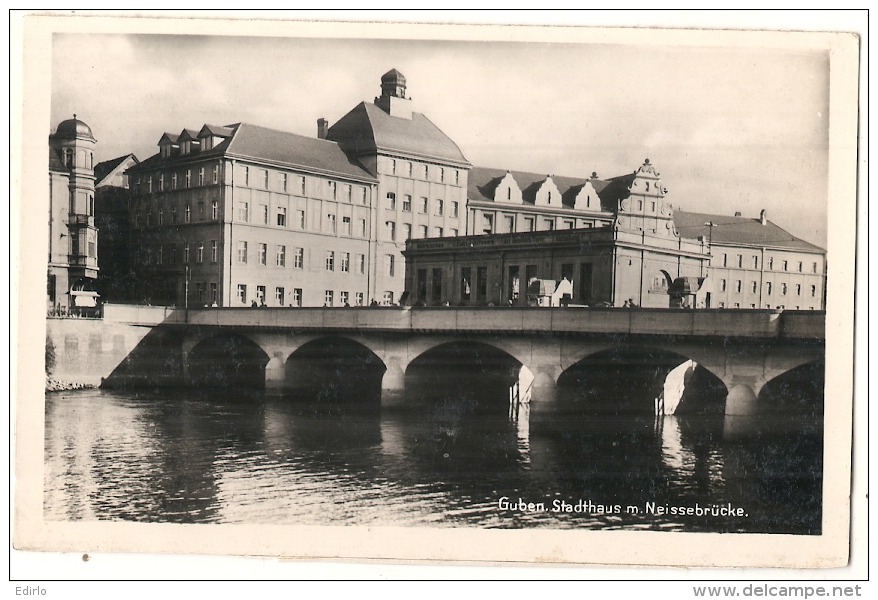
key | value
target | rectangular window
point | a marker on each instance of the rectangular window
(346, 225)
(343, 298)
(344, 262)
(214, 210)
(242, 252)
(330, 222)
(426, 171)
(161, 216)
(814, 268)
(265, 179)
(300, 219)
(785, 265)
(528, 224)
(440, 207)
(216, 173)
(466, 283)
(201, 291)
(436, 280)
(361, 264)
(456, 177)
(482, 282)
(388, 298)
(262, 251)
(186, 253)
(738, 286)
(389, 265)
(149, 184)
(813, 291)
(488, 224)
(800, 266)
(281, 255)
(214, 294)
(281, 216)
(302, 186)
(350, 193)
(330, 260)
(768, 288)
(283, 181)
(755, 262)
(725, 260)
(279, 296)
(393, 167)
(510, 223)
(740, 261)
(214, 252)
(201, 176)
(242, 293)
(199, 252)
(298, 258)
(437, 232)
(770, 263)
(333, 189)
(243, 211)
(410, 167)
(188, 178)
(260, 294)
(454, 232)
(297, 297)
(390, 227)
(174, 181)
(246, 176)
(391, 201)
(423, 206)
(783, 289)
(798, 289)
(200, 210)
(722, 285)
(407, 203)
(359, 298)
(328, 298)
(162, 182)
(407, 231)
(423, 231)
(158, 254)
(455, 208)
(753, 287)
(362, 227)
(263, 209)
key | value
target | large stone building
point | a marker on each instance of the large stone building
(116, 280)
(73, 236)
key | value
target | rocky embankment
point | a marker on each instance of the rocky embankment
(55, 385)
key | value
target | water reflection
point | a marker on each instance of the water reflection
(232, 457)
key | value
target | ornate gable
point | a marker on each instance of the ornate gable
(548, 194)
(507, 190)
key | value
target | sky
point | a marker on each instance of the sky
(729, 129)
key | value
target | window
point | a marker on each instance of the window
(813, 291)
(199, 252)
(361, 264)
(201, 176)
(393, 166)
(389, 265)
(297, 297)
(770, 263)
(330, 260)
(440, 207)
(768, 288)
(814, 267)
(330, 222)
(298, 258)
(262, 251)
(344, 262)
(423, 231)
(454, 232)
(242, 293)
(343, 298)
(149, 218)
(162, 182)
(455, 208)
(407, 203)
(785, 265)
(753, 287)
(243, 211)
(800, 266)
(242, 252)
(201, 291)
(149, 184)
(265, 179)
(302, 185)
(283, 181)
(263, 209)
(528, 224)
(481, 282)
(487, 223)
(260, 294)
(465, 285)
(174, 181)
(725, 260)
(327, 298)
(300, 219)
(246, 176)
(214, 210)
(346, 225)
(186, 253)
(359, 298)
(722, 285)
(279, 296)
(510, 223)
(410, 168)
(188, 178)
(332, 189)
(201, 210)
(426, 172)
(161, 216)
(740, 261)
(407, 231)
(441, 174)
(738, 286)
(362, 227)
(391, 201)
(214, 293)
(388, 298)
(391, 230)
(350, 193)
(172, 254)
(755, 262)
(281, 216)
(158, 255)
(423, 206)
(281, 255)
(437, 232)
(783, 289)
(798, 289)
(213, 251)
(216, 173)
(569, 224)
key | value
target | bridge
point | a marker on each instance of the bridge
(286, 348)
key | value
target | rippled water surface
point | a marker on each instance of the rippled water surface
(184, 456)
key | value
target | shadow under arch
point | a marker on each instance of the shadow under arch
(632, 380)
(227, 360)
(465, 376)
(797, 393)
(335, 370)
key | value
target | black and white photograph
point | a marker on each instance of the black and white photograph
(387, 291)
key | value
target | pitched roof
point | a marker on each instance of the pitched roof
(738, 230)
(102, 169)
(367, 128)
(483, 183)
(270, 145)
(216, 130)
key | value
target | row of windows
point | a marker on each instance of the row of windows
(170, 215)
(70, 159)
(423, 205)
(341, 262)
(768, 288)
(184, 253)
(162, 182)
(349, 226)
(528, 223)
(422, 231)
(407, 168)
(769, 264)
(779, 306)
(295, 297)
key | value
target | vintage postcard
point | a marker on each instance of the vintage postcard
(415, 292)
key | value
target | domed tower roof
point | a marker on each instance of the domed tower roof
(393, 84)
(74, 128)
(393, 76)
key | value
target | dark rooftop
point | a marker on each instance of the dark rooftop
(738, 230)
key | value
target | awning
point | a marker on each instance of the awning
(85, 298)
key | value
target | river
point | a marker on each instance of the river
(223, 456)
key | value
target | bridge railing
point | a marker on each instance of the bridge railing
(673, 322)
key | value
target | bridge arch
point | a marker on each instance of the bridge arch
(797, 392)
(226, 359)
(334, 369)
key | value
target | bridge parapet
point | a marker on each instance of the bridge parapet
(726, 323)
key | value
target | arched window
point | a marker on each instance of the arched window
(69, 160)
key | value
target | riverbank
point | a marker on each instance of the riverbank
(55, 385)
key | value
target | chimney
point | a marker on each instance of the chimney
(762, 217)
(322, 128)
(737, 213)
